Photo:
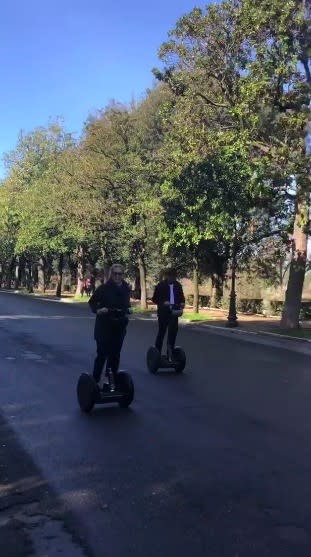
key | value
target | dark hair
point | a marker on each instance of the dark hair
(170, 272)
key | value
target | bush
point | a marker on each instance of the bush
(225, 302)
(250, 305)
(204, 301)
(305, 310)
(276, 307)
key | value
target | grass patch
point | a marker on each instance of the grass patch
(138, 309)
(196, 316)
(80, 298)
(295, 333)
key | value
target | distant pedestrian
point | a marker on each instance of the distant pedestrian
(88, 286)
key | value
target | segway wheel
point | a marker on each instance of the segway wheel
(180, 357)
(86, 392)
(153, 359)
(125, 384)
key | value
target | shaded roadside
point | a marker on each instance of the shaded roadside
(32, 520)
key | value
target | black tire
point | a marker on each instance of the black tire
(153, 359)
(86, 392)
(179, 356)
(125, 384)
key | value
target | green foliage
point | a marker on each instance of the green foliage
(209, 200)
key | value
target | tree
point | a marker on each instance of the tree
(124, 142)
(8, 231)
(26, 166)
(239, 59)
(279, 33)
(57, 210)
(211, 200)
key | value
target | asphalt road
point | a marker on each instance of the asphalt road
(215, 462)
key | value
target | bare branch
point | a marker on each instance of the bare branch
(257, 239)
(290, 196)
(263, 147)
(209, 101)
(305, 63)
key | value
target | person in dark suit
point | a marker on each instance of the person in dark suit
(168, 294)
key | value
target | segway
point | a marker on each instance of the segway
(174, 359)
(120, 386)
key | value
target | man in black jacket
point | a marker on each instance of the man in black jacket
(109, 333)
(168, 294)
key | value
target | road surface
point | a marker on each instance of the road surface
(215, 462)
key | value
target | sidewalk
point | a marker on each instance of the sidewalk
(32, 520)
(253, 322)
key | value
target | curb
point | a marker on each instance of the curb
(43, 297)
(258, 333)
(287, 337)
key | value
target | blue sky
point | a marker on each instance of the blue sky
(68, 58)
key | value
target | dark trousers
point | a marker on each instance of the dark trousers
(170, 324)
(109, 345)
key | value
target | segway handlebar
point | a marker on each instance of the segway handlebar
(176, 311)
(117, 314)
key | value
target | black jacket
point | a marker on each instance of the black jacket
(162, 294)
(111, 296)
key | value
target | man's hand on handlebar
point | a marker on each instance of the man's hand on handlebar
(104, 311)
(179, 306)
(101, 311)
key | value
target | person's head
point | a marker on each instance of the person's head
(170, 275)
(116, 273)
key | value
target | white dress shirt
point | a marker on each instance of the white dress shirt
(172, 297)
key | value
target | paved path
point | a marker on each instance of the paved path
(214, 462)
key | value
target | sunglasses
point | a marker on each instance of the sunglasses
(117, 273)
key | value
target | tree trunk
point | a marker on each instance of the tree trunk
(22, 273)
(106, 271)
(106, 265)
(48, 271)
(41, 274)
(35, 275)
(80, 271)
(9, 275)
(195, 285)
(143, 282)
(297, 269)
(232, 320)
(217, 290)
(136, 286)
(281, 263)
(29, 278)
(60, 275)
(17, 274)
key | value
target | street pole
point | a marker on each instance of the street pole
(232, 320)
